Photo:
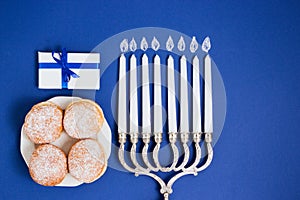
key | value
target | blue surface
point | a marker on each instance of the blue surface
(256, 47)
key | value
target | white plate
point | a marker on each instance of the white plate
(65, 141)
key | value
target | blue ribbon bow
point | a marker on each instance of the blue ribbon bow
(66, 72)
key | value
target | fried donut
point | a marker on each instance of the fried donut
(43, 123)
(48, 165)
(83, 119)
(87, 161)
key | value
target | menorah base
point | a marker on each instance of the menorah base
(148, 169)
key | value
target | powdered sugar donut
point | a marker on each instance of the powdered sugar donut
(43, 123)
(87, 161)
(83, 119)
(48, 165)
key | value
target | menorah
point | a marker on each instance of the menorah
(184, 167)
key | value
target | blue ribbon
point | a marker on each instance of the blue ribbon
(66, 73)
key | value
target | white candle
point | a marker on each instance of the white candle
(184, 114)
(172, 121)
(208, 112)
(133, 125)
(157, 97)
(146, 115)
(196, 97)
(122, 95)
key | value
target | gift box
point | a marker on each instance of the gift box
(59, 70)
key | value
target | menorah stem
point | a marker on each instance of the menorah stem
(172, 139)
(155, 156)
(134, 160)
(175, 156)
(210, 153)
(122, 158)
(166, 196)
(184, 139)
(158, 140)
(196, 140)
(146, 140)
(134, 141)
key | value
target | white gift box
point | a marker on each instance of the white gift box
(85, 65)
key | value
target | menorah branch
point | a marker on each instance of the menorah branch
(166, 189)
(194, 171)
(145, 154)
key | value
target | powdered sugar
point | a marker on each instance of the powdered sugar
(83, 119)
(48, 165)
(43, 124)
(86, 160)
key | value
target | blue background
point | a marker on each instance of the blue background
(256, 47)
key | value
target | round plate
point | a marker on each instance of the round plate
(65, 141)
